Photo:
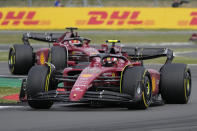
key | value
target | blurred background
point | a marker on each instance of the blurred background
(116, 3)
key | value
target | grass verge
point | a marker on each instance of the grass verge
(139, 38)
(5, 91)
(4, 56)
(102, 37)
(185, 60)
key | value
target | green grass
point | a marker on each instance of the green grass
(3, 56)
(185, 60)
(139, 38)
(133, 3)
(183, 49)
(5, 91)
(10, 38)
(102, 37)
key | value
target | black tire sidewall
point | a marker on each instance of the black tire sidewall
(59, 57)
(36, 83)
(172, 83)
(23, 59)
(131, 79)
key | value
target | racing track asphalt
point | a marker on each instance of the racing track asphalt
(65, 117)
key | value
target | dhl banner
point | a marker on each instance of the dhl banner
(98, 18)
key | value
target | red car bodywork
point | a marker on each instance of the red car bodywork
(95, 69)
(193, 38)
(67, 41)
(100, 78)
(73, 50)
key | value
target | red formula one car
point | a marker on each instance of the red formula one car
(193, 38)
(109, 77)
(68, 49)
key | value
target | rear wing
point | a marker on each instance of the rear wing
(45, 37)
(136, 53)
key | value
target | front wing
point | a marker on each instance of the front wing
(100, 96)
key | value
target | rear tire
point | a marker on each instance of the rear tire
(59, 57)
(136, 82)
(175, 84)
(20, 59)
(37, 79)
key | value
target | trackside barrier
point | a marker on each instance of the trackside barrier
(98, 18)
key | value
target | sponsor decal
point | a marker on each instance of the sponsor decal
(78, 89)
(114, 18)
(42, 58)
(86, 75)
(113, 74)
(16, 18)
(153, 84)
(93, 53)
(91, 50)
(98, 18)
(91, 70)
(192, 21)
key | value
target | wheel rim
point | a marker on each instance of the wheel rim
(148, 88)
(147, 92)
(187, 85)
(11, 61)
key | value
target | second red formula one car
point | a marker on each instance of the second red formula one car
(112, 78)
(68, 49)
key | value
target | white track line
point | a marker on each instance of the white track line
(8, 107)
(184, 52)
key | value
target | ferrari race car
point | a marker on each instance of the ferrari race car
(193, 38)
(112, 78)
(68, 49)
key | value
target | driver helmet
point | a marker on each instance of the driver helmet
(76, 43)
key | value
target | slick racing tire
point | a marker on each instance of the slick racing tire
(136, 82)
(38, 81)
(175, 83)
(20, 59)
(59, 57)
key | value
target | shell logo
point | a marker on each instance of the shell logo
(153, 84)
(113, 74)
(42, 59)
(86, 75)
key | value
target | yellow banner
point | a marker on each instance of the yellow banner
(98, 18)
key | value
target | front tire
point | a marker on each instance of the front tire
(38, 80)
(136, 82)
(175, 84)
